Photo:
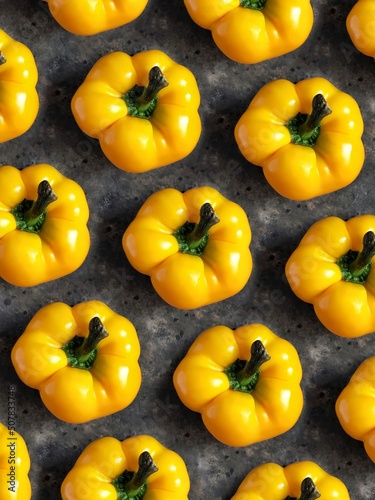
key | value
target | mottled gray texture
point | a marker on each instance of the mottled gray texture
(165, 333)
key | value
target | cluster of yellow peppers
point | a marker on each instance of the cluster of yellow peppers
(245, 383)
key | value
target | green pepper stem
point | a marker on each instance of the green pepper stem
(146, 467)
(320, 110)
(258, 356)
(2, 58)
(97, 332)
(156, 83)
(253, 4)
(46, 196)
(208, 218)
(364, 257)
(309, 490)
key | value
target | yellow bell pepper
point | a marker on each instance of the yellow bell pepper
(360, 26)
(14, 466)
(332, 269)
(251, 31)
(82, 359)
(194, 246)
(305, 136)
(245, 383)
(142, 109)
(84, 17)
(43, 225)
(355, 406)
(139, 467)
(299, 481)
(19, 101)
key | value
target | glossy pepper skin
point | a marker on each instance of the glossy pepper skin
(331, 269)
(143, 109)
(82, 359)
(19, 101)
(43, 225)
(84, 17)
(360, 26)
(271, 481)
(249, 31)
(241, 405)
(355, 406)
(104, 469)
(306, 137)
(193, 245)
(14, 466)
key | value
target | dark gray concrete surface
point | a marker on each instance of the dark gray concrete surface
(166, 333)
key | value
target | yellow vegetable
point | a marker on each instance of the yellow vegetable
(332, 269)
(251, 31)
(43, 225)
(194, 246)
(143, 109)
(19, 101)
(85, 17)
(360, 24)
(355, 406)
(306, 137)
(245, 383)
(299, 481)
(82, 359)
(137, 468)
(14, 464)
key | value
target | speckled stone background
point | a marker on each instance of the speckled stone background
(166, 333)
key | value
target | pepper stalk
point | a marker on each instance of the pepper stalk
(141, 101)
(320, 110)
(308, 491)
(192, 238)
(243, 375)
(356, 266)
(304, 129)
(146, 467)
(30, 215)
(46, 196)
(253, 4)
(258, 356)
(364, 257)
(133, 485)
(97, 332)
(81, 352)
